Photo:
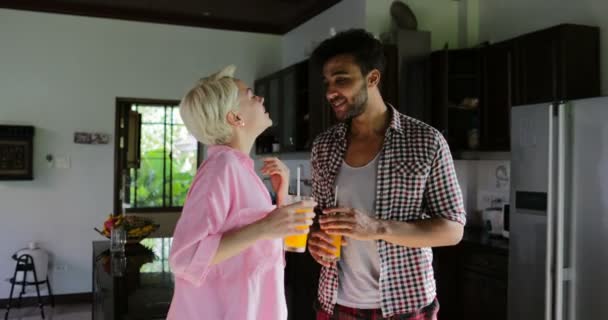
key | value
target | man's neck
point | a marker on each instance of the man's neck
(373, 122)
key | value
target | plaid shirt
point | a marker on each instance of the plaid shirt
(416, 180)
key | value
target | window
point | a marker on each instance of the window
(158, 158)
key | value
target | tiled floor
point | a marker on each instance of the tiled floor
(60, 312)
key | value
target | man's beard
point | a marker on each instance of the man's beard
(357, 107)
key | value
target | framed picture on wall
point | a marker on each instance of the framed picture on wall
(16, 152)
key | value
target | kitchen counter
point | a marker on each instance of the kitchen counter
(479, 237)
(135, 285)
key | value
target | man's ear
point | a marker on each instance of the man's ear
(234, 119)
(373, 78)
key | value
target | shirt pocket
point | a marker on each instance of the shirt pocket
(407, 187)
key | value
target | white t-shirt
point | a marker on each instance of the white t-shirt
(359, 265)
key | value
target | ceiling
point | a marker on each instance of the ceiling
(263, 16)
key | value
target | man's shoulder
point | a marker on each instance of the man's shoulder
(327, 137)
(411, 126)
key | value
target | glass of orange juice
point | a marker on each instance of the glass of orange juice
(297, 243)
(336, 241)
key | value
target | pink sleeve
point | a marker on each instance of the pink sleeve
(197, 234)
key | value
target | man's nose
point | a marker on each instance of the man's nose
(330, 94)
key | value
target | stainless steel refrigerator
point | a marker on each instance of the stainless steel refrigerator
(558, 255)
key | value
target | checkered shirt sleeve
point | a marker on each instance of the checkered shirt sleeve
(442, 191)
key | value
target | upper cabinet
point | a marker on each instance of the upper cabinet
(471, 90)
(456, 88)
(498, 95)
(286, 99)
(559, 63)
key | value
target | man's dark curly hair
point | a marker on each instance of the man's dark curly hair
(362, 45)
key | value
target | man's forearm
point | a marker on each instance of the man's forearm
(435, 232)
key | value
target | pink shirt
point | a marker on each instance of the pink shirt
(226, 194)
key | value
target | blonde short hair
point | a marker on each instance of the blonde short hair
(204, 108)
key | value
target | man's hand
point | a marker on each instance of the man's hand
(320, 247)
(351, 223)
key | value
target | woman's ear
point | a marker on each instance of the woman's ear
(234, 119)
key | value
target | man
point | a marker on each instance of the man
(397, 190)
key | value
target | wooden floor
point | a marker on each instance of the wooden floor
(60, 312)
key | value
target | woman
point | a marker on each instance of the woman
(227, 254)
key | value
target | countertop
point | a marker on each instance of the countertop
(136, 284)
(479, 237)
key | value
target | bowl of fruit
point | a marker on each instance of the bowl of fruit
(137, 228)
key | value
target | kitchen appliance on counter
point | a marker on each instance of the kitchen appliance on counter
(493, 220)
(559, 215)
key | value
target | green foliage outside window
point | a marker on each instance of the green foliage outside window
(168, 159)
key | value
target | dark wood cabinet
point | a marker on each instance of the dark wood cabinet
(558, 63)
(286, 99)
(456, 83)
(471, 282)
(301, 285)
(498, 95)
(389, 83)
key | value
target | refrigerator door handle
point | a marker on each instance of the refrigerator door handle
(549, 271)
(561, 210)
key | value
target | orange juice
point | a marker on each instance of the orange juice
(336, 241)
(297, 243)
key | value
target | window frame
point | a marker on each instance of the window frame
(123, 106)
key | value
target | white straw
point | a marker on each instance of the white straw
(298, 182)
(336, 197)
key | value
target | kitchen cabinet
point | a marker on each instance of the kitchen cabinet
(456, 83)
(558, 63)
(472, 278)
(285, 95)
(301, 285)
(498, 63)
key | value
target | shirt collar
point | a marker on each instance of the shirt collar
(395, 124)
(218, 148)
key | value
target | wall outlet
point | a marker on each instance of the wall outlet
(61, 268)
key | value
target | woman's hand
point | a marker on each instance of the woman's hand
(284, 221)
(279, 176)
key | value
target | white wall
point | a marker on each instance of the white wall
(62, 74)
(299, 42)
(438, 16)
(480, 185)
(500, 20)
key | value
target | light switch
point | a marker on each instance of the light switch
(62, 162)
